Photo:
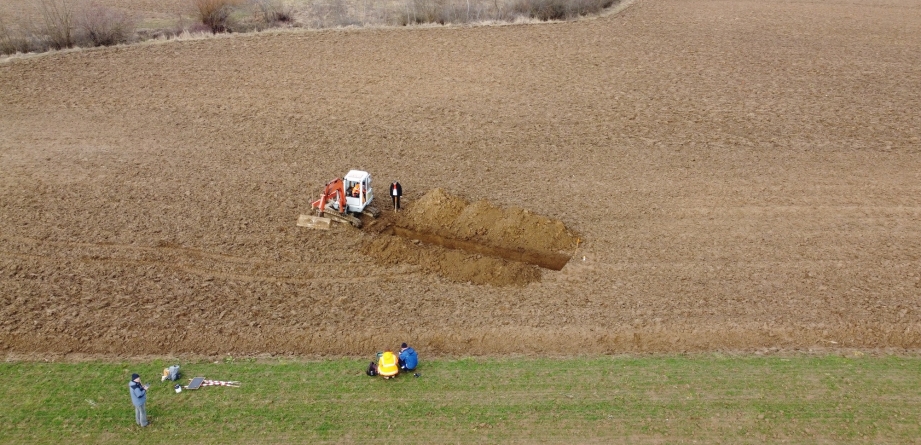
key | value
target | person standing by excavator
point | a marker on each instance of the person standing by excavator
(396, 191)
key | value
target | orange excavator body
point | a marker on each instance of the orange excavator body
(333, 189)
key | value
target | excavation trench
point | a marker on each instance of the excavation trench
(542, 259)
(471, 242)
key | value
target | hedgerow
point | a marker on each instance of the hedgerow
(62, 24)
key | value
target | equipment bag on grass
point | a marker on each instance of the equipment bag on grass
(171, 373)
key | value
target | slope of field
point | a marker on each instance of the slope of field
(742, 174)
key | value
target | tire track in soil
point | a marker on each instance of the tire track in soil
(341, 274)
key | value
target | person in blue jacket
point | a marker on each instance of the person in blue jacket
(408, 358)
(138, 399)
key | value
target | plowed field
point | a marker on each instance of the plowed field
(738, 175)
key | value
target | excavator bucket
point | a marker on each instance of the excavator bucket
(314, 222)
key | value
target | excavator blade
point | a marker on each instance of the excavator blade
(314, 222)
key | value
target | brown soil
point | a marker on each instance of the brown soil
(742, 175)
(477, 243)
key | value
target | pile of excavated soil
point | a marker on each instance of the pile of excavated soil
(512, 228)
(744, 175)
(478, 243)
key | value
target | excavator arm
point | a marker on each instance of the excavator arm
(332, 190)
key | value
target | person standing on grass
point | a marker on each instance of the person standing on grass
(408, 358)
(139, 399)
(396, 191)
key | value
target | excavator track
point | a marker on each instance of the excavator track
(355, 222)
(342, 217)
(372, 211)
(334, 214)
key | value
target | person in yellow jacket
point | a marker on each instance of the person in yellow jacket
(387, 365)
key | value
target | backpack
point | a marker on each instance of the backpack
(372, 370)
(171, 373)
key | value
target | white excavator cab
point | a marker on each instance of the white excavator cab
(355, 188)
(358, 191)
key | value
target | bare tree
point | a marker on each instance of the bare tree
(58, 20)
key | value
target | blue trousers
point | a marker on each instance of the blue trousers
(140, 414)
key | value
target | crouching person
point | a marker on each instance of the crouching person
(387, 365)
(408, 358)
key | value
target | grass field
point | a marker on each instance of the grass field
(707, 398)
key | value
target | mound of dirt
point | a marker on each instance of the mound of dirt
(472, 242)
(480, 222)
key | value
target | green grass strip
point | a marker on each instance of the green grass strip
(710, 399)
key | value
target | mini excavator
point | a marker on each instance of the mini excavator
(342, 199)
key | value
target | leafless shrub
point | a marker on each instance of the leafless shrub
(21, 38)
(273, 12)
(330, 14)
(588, 7)
(541, 9)
(371, 12)
(444, 12)
(183, 28)
(422, 11)
(8, 39)
(545, 10)
(215, 14)
(467, 11)
(105, 26)
(63, 26)
(58, 21)
(470, 11)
